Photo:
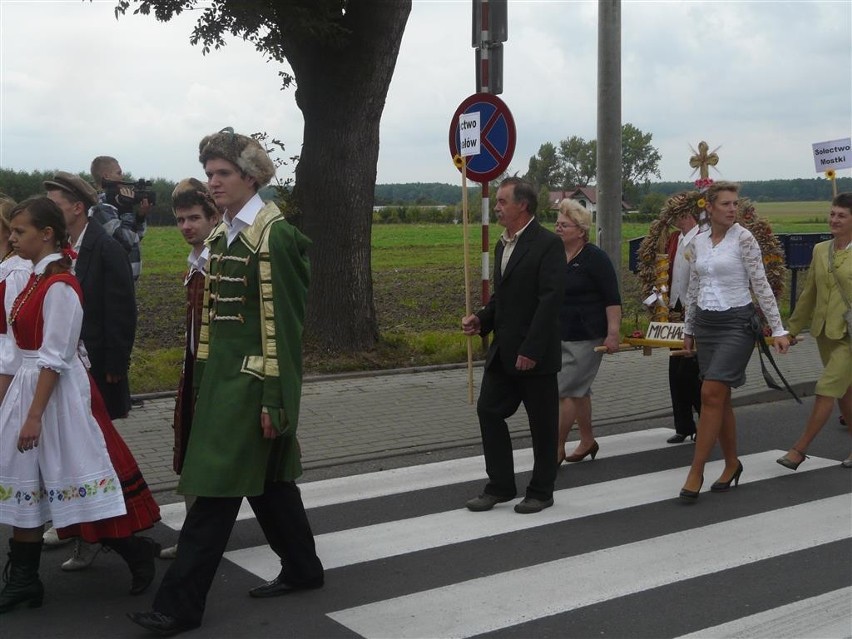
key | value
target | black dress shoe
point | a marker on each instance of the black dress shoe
(679, 438)
(280, 586)
(485, 502)
(530, 505)
(159, 623)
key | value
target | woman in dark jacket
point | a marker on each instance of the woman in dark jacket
(590, 317)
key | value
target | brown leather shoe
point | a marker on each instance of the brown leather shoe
(530, 505)
(485, 502)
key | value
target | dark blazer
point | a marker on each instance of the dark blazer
(109, 313)
(523, 311)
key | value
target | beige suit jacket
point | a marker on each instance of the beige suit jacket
(820, 304)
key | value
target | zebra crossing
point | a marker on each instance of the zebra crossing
(410, 561)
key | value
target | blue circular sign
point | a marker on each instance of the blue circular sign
(496, 136)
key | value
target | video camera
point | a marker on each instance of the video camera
(124, 195)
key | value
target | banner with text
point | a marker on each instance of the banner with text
(833, 154)
(469, 133)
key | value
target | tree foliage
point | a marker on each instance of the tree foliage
(343, 54)
(574, 162)
(545, 168)
(579, 161)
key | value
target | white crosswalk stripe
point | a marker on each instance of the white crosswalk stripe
(478, 606)
(341, 490)
(682, 547)
(368, 543)
(827, 615)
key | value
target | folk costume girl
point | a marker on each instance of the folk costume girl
(54, 463)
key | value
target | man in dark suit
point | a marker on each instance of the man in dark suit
(525, 354)
(109, 301)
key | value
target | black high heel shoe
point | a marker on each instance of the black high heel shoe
(691, 496)
(786, 462)
(576, 457)
(723, 486)
(679, 438)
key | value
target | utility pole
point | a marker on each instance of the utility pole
(489, 31)
(609, 194)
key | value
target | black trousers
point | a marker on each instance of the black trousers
(685, 391)
(499, 398)
(204, 536)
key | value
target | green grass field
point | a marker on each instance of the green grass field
(418, 290)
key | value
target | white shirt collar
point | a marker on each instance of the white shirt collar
(504, 237)
(690, 234)
(244, 218)
(38, 269)
(79, 241)
(198, 262)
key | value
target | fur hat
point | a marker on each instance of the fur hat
(245, 152)
(75, 185)
(190, 192)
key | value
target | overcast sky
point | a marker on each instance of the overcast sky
(761, 80)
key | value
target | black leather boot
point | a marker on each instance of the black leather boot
(21, 576)
(139, 553)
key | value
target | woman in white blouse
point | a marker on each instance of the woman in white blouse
(724, 262)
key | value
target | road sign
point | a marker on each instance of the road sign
(496, 136)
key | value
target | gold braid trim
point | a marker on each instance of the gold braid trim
(203, 349)
(267, 311)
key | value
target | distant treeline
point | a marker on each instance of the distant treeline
(417, 201)
(22, 184)
(798, 190)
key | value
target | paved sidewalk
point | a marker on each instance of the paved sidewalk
(349, 418)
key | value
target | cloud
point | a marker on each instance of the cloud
(762, 79)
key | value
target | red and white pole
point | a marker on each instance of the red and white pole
(486, 289)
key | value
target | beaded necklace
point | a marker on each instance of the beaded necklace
(23, 297)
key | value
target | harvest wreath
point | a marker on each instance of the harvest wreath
(653, 260)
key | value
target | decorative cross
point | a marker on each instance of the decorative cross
(702, 160)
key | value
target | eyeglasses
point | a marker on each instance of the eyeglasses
(565, 225)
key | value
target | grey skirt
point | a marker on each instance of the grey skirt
(725, 341)
(580, 364)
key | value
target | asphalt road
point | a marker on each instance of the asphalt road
(617, 556)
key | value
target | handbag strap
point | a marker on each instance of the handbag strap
(763, 349)
(834, 273)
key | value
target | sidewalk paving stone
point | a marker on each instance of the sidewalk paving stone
(372, 415)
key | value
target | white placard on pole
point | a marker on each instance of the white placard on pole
(469, 134)
(833, 154)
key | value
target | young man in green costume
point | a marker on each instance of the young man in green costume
(248, 377)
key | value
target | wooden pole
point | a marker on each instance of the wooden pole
(468, 306)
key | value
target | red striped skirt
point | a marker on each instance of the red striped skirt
(142, 510)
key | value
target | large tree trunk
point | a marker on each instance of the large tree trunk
(341, 90)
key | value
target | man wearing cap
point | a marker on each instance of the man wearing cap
(248, 376)
(109, 301)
